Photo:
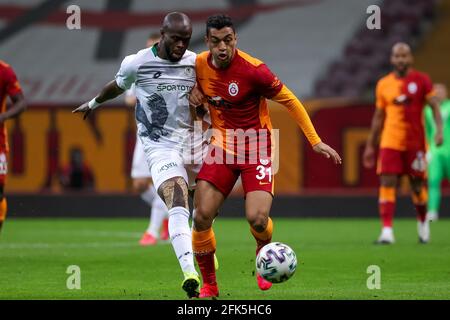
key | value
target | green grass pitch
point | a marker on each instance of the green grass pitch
(333, 254)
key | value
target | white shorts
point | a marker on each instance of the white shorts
(166, 162)
(139, 168)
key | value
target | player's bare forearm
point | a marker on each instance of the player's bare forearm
(435, 106)
(374, 136)
(19, 105)
(110, 91)
(376, 126)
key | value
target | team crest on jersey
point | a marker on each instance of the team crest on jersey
(412, 87)
(233, 89)
(189, 71)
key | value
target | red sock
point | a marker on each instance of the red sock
(420, 202)
(387, 213)
(264, 237)
(387, 205)
(205, 262)
(204, 245)
(421, 212)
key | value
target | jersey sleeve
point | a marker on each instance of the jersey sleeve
(298, 113)
(267, 84)
(12, 84)
(428, 86)
(126, 75)
(380, 101)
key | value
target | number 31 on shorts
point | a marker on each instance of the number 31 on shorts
(263, 172)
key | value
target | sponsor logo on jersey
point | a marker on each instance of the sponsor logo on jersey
(167, 166)
(157, 75)
(218, 102)
(173, 87)
(264, 162)
(233, 89)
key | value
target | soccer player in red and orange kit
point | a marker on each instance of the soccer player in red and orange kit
(400, 99)
(9, 86)
(235, 86)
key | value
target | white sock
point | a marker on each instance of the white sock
(149, 194)
(181, 238)
(159, 212)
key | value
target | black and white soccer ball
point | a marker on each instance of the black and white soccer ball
(276, 262)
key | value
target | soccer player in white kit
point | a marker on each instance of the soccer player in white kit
(142, 182)
(163, 76)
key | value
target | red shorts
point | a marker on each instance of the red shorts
(255, 176)
(411, 162)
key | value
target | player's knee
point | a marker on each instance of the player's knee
(203, 218)
(258, 220)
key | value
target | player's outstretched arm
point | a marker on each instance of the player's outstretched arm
(435, 107)
(372, 140)
(110, 91)
(298, 112)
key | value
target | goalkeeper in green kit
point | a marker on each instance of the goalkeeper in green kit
(438, 157)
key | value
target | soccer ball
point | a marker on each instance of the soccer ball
(276, 262)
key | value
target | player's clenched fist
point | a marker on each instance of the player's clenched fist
(196, 97)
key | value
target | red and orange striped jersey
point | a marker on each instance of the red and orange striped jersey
(403, 100)
(9, 86)
(237, 95)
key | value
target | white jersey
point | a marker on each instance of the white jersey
(161, 89)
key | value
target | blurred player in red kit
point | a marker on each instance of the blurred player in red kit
(9, 86)
(401, 97)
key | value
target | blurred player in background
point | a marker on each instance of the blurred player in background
(438, 156)
(77, 175)
(236, 86)
(142, 182)
(163, 76)
(400, 99)
(9, 87)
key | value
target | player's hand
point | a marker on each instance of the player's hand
(83, 108)
(328, 152)
(196, 97)
(369, 157)
(439, 138)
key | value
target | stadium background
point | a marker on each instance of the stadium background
(322, 50)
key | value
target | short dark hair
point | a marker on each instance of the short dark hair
(219, 21)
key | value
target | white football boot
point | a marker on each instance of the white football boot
(432, 216)
(386, 236)
(423, 229)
